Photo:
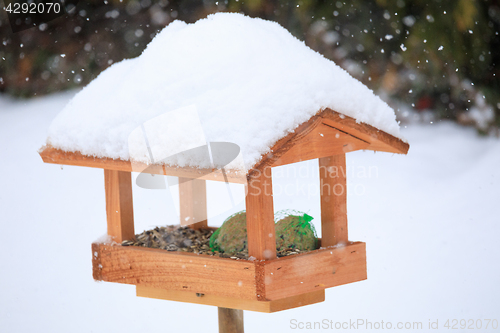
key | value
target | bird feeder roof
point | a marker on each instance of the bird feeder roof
(227, 83)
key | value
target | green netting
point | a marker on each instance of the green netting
(231, 237)
(294, 230)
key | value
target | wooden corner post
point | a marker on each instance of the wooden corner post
(119, 204)
(333, 190)
(260, 215)
(193, 202)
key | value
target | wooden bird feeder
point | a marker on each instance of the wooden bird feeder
(267, 284)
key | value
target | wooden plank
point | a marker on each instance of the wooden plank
(260, 216)
(193, 203)
(231, 283)
(233, 303)
(119, 205)
(379, 140)
(205, 299)
(322, 141)
(333, 192)
(57, 156)
(230, 320)
(179, 271)
(297, 301)
(315, 270)
(283, 145)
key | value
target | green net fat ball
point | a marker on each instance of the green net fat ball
(231, 237)
(296, 232)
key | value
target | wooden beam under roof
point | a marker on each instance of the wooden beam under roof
(57, 156)
(325, 134)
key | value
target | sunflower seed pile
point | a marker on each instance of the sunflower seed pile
(173, 238)
(185, 239)
(288, 252)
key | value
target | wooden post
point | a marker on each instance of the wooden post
(230, 320)
(333, 190)
(119, 204)
(260, 215)
(193, 202)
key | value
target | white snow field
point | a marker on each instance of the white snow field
(430, 220)
(251, 81)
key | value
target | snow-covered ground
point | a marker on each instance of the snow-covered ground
(430, 220)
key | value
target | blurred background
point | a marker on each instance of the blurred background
(429, 218)
(429, 60)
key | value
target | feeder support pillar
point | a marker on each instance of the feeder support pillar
(333, 190)
(119, 210)
(230, 320)
(260, 215)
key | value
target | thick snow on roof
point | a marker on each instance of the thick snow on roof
(226, 78)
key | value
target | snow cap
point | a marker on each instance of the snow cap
(225, 78)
